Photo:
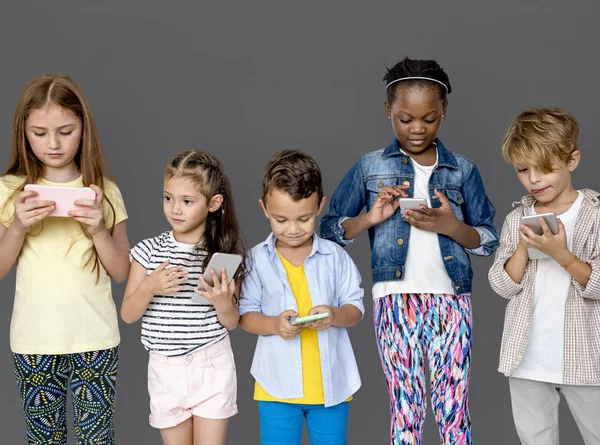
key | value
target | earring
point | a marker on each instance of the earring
(389, 117)
(443, 116)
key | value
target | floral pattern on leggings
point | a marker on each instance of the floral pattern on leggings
(412, 328)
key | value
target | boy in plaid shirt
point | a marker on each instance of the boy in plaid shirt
(551, 339)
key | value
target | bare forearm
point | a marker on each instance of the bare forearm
(114, 258)
(515, 266)
(355, 226)
(578, 269)
(258, 324)
(465, 235)
(346, 315)
(135, 305)
(228, 316)
(10, 246)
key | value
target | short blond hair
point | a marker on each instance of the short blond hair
(541, 137)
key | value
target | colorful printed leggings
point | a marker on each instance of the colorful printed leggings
(43, 382)
(409, 329)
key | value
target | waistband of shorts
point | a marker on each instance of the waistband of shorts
(220, 347)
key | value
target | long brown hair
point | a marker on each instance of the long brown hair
(222, 233)
(61, 90)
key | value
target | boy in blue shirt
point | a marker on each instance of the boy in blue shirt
(305, 371)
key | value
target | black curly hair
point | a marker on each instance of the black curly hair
(416, 68)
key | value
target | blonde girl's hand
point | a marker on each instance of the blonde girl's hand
(386, 203)
(28, 213)
(166, 280)
(220, 294)
(92, 214)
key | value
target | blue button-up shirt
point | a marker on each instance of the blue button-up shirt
(333, 280)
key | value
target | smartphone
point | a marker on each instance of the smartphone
(230, 261)
(412, 204)
(308, 318)
(533, 222)
(64, 197)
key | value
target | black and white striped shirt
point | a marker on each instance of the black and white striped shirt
(174, 324)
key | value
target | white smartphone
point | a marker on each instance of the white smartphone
(230, 261)
(308, 318)
(412, 204)
(533, 222)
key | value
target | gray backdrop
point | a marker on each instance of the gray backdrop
(243, 79)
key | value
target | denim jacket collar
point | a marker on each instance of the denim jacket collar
(318, 245)
(445, 158)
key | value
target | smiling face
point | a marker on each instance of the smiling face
(292, 222)
(550, 188)
(416, 116)
(54, 135)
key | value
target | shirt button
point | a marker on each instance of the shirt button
(400, 241)
(189, 358)
(405, 160)
(380, 184)
(398, 273)
(298, 363)
(406, 183)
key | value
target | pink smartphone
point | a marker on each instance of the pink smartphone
(64, 197)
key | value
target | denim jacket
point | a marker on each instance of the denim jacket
(455, 176)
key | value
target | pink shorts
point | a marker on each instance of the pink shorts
(202, 383)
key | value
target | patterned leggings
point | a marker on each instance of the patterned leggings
(409, 329)
(43, 382)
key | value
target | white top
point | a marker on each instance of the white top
(424, 271)
(174, 324)
(543, 359)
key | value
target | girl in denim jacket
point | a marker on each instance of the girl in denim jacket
(420, 258)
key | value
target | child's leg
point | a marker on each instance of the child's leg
(210, 431)
(280, 423)
(398, 328)
(182, 434)
(327, 426)
(448, 344)
(584, 403)
(535, 411)
(42, 381)
(93, 386)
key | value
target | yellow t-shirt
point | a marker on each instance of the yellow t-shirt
(309, 344)
(59, 307)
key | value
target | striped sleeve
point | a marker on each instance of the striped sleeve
(142, 253)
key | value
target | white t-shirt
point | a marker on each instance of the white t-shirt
(174, 324)
(424, 271)
(543, 359)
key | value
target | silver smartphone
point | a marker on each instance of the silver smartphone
(533, 222)
(230, 261)
(412, 204)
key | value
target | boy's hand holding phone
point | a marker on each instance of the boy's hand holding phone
(324, 323)
(553, 245)
(282, 326)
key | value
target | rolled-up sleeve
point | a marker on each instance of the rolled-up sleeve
(479, 214)
(499, 279)
(347, 202)
(251, 294)
(348, 282)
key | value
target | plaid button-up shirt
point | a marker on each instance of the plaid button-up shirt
(582, 309)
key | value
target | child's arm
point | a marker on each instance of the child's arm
(221, 296)
(500, 280)
(477, 234)
(113, 250)
(12, 238)
(350, 308)
(344, 222)
(252, 319)
(140, 290)
(555, 246)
